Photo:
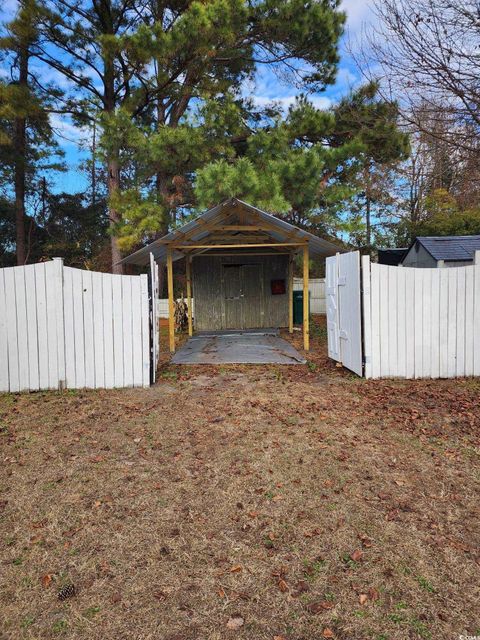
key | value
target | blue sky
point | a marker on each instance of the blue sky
(266, 88)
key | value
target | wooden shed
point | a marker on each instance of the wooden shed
(239, 268)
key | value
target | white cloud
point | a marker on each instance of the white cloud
(359, 14)
(66, 130)
(320, 102)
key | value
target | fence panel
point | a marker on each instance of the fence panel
(64, 327)
(422, 323)
(316, 288)
(4, 369)
(32, 335)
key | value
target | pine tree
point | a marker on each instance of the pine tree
(26, 137)
(311, 167)
(162, 64)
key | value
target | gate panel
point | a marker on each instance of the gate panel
(64, 327)
(350, 311)
(344, 322)
(331, 290)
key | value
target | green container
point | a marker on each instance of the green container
(298, 307)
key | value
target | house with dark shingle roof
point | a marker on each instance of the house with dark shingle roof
(442, 251)
(392, 257)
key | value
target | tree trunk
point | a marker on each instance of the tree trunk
(161, 188)
(368, 223)
(113, 188)
(162, 199)
(113, 165)
(94, 164)
(20, 145)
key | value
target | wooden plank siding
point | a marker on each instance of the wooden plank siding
(421, 323)
(216, 305)
(67, 328)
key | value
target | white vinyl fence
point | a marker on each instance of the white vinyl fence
(316, 288)
(421, 323)
(67, 328)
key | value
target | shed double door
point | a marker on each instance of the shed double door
(243, 296)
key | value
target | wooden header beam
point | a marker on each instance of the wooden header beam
(184, 247)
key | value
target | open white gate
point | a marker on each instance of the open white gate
(344, 312)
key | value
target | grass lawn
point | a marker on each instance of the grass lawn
(256, 502)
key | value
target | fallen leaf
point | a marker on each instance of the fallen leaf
(283, 586)
(363, 598)
(365, 540)
(39, 524)
(279, 638)
(302, 587)
(46, 580)
(235, 622)
(328, 633)
(277, 498)
(221, 593)
(392, 515)
(236, 568)
(317, 607)
(373, 594)
(356, 556)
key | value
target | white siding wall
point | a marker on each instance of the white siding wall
(421, 323)
(67, 328)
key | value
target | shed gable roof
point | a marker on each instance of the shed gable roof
(450, 248)
(209, 223)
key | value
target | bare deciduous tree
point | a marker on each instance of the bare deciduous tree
(428, 52)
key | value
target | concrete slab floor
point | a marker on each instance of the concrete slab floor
(249, 347)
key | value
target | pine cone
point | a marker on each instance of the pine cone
(68, 591)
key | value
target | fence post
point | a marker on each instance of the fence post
(60, 320)
(367, 317)
(476, 257)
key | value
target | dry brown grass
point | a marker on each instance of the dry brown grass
(242, 490)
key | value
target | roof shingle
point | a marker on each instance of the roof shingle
(450, 247)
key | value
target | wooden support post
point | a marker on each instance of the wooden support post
(189, 294)
(306, 328)
(171, 309)
(290, 293)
